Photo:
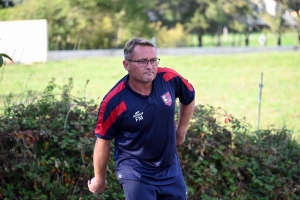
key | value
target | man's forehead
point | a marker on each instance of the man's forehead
(142, 50)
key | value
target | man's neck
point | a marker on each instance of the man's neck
(141, 88)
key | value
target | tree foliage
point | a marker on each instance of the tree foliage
(294, 6)
(94, 24)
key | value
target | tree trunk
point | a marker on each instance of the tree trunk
(299, 34)
(279, 39)
(200, 40)
(219, 43)
(247, 40)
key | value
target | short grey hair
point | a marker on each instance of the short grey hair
(129, 46)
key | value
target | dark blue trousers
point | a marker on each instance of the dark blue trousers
(137, 190)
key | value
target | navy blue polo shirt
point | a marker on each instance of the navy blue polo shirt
(143, 127)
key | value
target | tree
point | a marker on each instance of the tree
(171, 15)
(128, 18)
(211, 16)
(94, 24)
(198, 23)
(294, 5)
(6, 3)
(274, 19)
(241, 17)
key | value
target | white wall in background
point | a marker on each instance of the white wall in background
(25, 41)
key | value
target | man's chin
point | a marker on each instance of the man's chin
(149, 77)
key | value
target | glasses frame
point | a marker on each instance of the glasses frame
(143, 60)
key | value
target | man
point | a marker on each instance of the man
(138, 113)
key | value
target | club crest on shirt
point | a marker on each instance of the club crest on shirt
(167, 99)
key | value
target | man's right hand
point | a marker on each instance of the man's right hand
(97, 186)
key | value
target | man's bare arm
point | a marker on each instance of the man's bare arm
(184, 116)
(101, 156)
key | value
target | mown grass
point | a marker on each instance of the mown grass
(227, 81)
(288, 38)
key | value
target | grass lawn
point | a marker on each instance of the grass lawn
(288, 38)
(227, 81)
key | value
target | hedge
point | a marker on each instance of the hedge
(47, 141)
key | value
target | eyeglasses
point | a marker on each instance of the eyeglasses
(144, 62)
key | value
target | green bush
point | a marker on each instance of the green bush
(170, 37)
(46, 148)
(226, 161)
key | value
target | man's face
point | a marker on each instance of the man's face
(137, 72)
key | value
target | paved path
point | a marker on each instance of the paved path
(62, 55)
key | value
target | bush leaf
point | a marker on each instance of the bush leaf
(1, 58)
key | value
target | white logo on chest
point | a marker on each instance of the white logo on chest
(138, 116)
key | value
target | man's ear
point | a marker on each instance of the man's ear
(126, 64)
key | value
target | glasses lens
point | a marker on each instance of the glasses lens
(143, 63)
(154, 62)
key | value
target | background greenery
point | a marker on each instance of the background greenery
(98, 24)
(227, 81)
(288, 38)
